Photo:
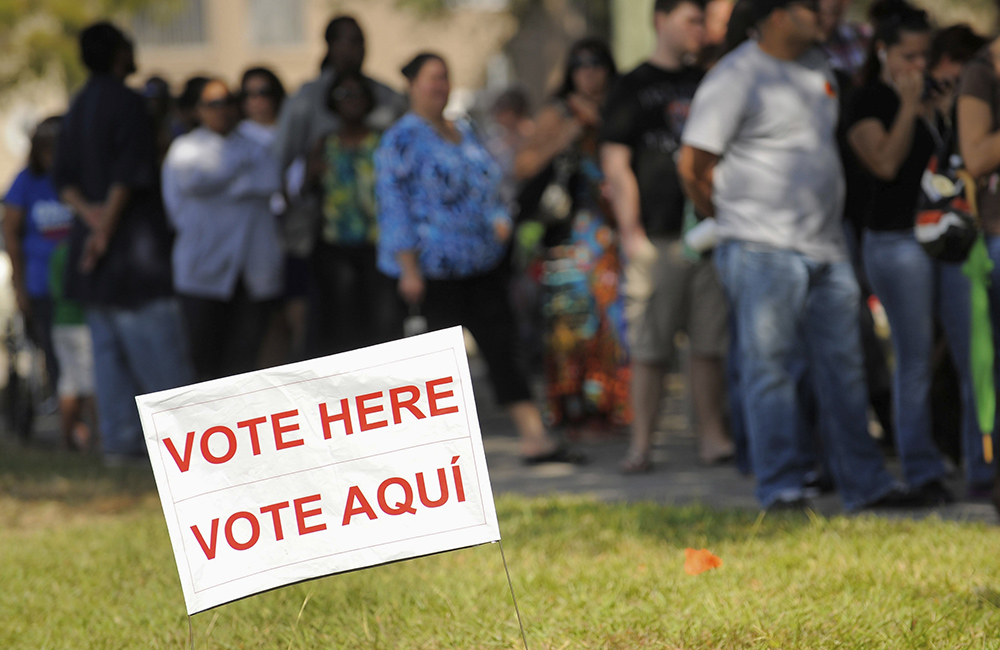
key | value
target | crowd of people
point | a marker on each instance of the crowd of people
(755, 184)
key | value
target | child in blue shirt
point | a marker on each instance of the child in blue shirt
(34, 223)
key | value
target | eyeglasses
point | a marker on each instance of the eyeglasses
(222, 102)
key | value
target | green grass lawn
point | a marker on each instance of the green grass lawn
(85, 562)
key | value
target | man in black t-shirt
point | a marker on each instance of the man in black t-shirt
(665, 291)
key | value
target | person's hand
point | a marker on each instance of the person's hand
(23, 301)
(315, 168)
(910, 87)
(587, 112)
(93, 250)
(93, 215)
(635, 243)
(502, 230)
(411, 287)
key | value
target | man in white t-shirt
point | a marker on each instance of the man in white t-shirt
(760, 155)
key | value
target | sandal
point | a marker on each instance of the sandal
(561, 454)
(636, 465)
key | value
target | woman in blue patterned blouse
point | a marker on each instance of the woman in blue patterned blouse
(443, 231)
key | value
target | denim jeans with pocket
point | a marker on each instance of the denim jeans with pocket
(915, 290)
(785, 303)
(136, 351)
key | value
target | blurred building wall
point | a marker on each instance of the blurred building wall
(241, 33)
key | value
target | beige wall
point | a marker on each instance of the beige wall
(18, 115)
(468, 39)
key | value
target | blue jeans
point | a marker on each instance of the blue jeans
(136, 351)
(784, 303)
(914, 290)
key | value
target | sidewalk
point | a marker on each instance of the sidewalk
(678, 477)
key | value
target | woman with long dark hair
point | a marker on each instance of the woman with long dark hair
(443, 232)
(586, 362)
(894, 130)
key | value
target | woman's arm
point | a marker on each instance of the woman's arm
(411, 280)
(398, 238)
(554, 133)
(978, 144)
(882, 152)
(198, 170)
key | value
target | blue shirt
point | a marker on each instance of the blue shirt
(217, 190)
(46, 223)
(438, 198)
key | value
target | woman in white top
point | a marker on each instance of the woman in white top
(227, 258)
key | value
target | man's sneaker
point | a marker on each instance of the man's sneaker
(935, 494)
(898, 498)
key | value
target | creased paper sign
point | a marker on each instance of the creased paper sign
(320, 467)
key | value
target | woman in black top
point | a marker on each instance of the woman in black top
(894, 131)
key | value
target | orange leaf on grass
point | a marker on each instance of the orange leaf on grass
(696, 562)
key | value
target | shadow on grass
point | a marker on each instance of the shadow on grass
(597, 523)
(29, 472)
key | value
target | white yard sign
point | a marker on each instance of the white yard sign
(320, 467)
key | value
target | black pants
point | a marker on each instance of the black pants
(354, 305)
(39, 330)
(480, 303)
(225, 335)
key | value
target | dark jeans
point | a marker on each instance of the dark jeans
(480, 303)
(136, 351)
(354, 304)
(225, 335)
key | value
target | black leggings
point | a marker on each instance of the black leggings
(355, 306)
(480, 304)
(225, 335)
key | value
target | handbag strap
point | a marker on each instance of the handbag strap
(970, 192)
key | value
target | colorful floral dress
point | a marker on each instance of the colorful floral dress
(586, 361)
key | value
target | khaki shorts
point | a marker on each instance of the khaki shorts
(75, 354)
(665, 293)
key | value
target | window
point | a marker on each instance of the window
(171, 23)
(276, 22)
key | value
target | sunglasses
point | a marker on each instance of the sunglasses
(222, 102)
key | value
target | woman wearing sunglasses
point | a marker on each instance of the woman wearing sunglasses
(227, 258)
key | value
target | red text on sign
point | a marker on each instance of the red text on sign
(226, 441)
(301, 508)
(402, 495)
(369, 410)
